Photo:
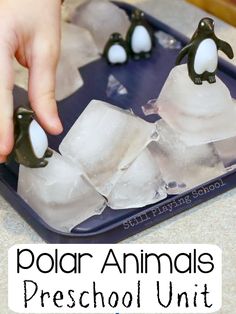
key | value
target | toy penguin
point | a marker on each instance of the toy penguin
(202, 53)
(116, 50)
(31, 143)
(140, 37)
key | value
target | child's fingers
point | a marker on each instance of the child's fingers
(6, 123)
(2, 159)
(6, 102)
(42, 87)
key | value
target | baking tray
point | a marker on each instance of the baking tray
(143, 80)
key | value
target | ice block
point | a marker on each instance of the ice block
(60, 193)
(105, 140)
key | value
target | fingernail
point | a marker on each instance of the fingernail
(2, 159)
(4, 149)
(56, 125)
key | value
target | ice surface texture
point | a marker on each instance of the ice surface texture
(59, 193)
(184, 167)
(198, 113)
(101, 18)
(105, 140)
(140, 185)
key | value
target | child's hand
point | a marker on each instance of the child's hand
(29, 31)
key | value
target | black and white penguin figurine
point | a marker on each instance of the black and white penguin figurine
(140, 36)
(116, 51)
(31, 142)
(202, 52)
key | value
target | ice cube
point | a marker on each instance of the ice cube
(227, 152)
(68, 7)
(78, 45)
(184, 167)
(77, 49)
(101, 18)
(68, 79)
(59, 193)
(150, 107)
(114, 87)
(167, 41)
(200, 114)
(140, 185)
(105, 140)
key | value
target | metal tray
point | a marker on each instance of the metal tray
(144, 80)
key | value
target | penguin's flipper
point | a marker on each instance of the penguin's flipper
(226, 48)
(182, 54)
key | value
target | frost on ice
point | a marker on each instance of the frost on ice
(101, 18)
(140, 185)
(184, 167)
(198, 114)
(105, 140)
(59, 193)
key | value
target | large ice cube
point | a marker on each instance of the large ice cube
(184, 167)
(198, 113)
(105, 140)
(77, 49)
(59, 193)
(101, 18)
(140, 185)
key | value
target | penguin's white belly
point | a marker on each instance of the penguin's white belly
(206, 58)
(141, 40)
(117, 54)
(38, 138)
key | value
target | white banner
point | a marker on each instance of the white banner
(114, 278)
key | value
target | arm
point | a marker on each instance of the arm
(29, 32)
(182, 54)
(226, 48)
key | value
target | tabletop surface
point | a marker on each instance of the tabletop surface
(213, 222)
